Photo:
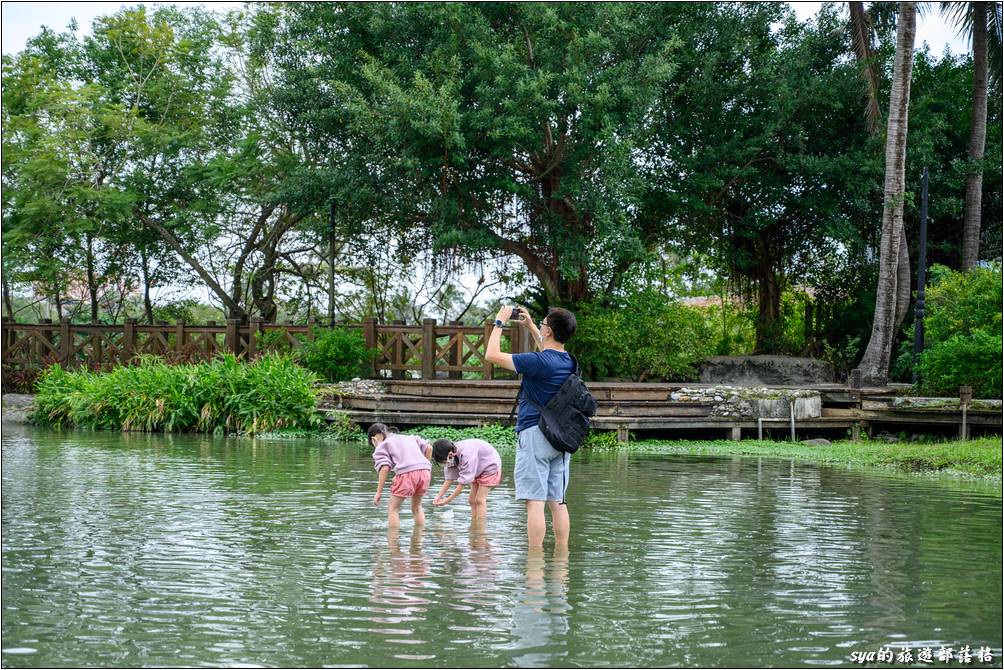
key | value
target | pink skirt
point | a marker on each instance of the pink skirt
(411, 484)
(494, 479)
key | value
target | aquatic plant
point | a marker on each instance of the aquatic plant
(222, 395)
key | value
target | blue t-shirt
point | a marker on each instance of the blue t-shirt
(543, 374)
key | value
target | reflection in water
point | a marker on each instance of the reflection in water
(540, 616)
(402, 592)
(151, 550)
(398, 579)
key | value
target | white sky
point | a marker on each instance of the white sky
(22, 20)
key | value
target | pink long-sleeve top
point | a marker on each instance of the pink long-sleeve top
(474, 458)
(402, 453)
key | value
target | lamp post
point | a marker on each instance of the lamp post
(918, 325)
(331, 265)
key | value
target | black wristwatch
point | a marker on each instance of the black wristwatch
(498, 323)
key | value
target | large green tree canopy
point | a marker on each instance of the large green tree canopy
(472, 127)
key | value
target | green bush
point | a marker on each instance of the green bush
(972, 360)
(647, 337)
(336, 354)
(222, 395)
(962, 333)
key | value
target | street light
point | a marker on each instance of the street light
(918, 326)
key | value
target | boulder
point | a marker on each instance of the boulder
(759, 370)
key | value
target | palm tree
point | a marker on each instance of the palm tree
(893, 294)
(981, 23)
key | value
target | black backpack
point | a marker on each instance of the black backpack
(564, 420)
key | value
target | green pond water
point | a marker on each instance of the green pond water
(143, 550)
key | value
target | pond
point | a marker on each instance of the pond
(140, 550)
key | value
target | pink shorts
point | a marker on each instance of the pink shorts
(493, 479)
(410, 484)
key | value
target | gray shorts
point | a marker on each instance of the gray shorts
(541, 471)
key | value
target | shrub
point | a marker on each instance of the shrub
(972, 360)
(646, 337)
(962, 333)
(336, 354)
(222, 395)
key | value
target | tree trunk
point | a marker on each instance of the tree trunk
(92, 288)
(977, 140)
(889, 296)
(145, 268)
(8, 303)
(234, 310)
(768, 306)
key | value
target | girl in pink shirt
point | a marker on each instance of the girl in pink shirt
(408, 456)
(468, 462)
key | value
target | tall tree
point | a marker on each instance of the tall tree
(893, 292)
(981, 22)
(764, 161)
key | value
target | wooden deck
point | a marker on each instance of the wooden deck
(648, 407)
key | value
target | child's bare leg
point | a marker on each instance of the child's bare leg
(393, 518)
(417, 511)
(480, 505)
(472, 499)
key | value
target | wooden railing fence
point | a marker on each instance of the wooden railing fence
(426, 350)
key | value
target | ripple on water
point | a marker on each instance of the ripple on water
(166, 550)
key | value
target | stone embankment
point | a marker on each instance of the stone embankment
(16, 407)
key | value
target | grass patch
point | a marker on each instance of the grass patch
(224, 395)
(980, 457)
(500, 437)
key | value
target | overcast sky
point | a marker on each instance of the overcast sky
(21, 20)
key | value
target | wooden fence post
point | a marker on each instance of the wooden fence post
(428, 348)
(370, 337)
(65, 342)
(210, 341)
(487, 373)
(179, 338)
(39, 350)
(398, 351)
(311, 323)
(253, 331)
(8, 333)
(233, 336)
(128, 340)
(513, 333)
(456, 351)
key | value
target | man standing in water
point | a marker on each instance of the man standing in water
(541, 471)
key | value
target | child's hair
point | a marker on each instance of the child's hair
(377, 429)
(441, 449)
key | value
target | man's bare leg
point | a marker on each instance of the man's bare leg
(536, 525)
(560, 521)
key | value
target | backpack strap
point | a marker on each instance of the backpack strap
(515, 401)
(576, 370)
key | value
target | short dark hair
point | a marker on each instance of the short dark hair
(441, 449)
(377, 429)
(562, 323)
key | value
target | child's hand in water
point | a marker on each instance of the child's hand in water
(376, 500)
(439, 502)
